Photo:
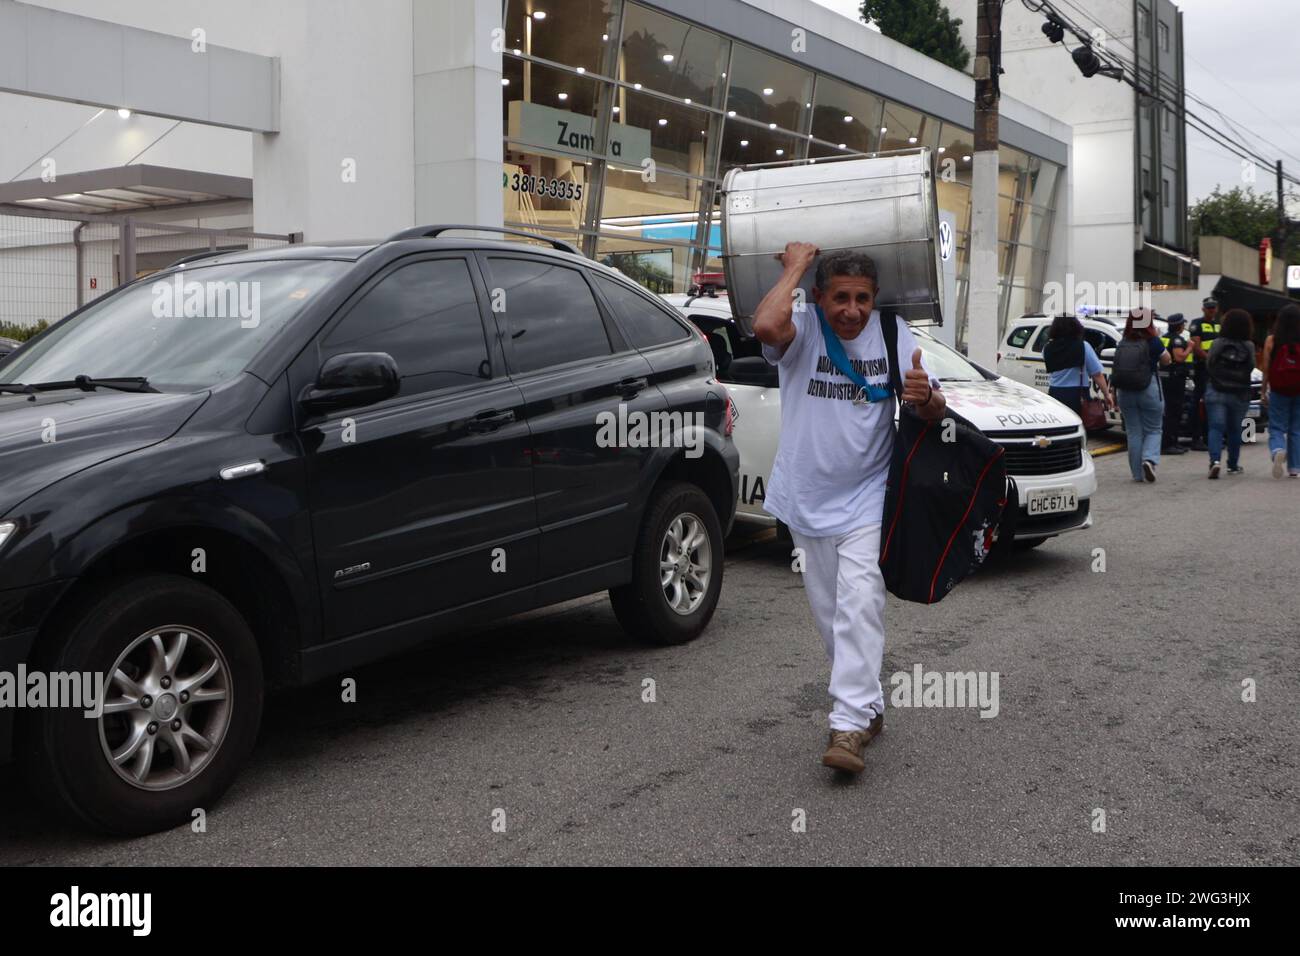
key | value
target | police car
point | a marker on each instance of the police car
(1046, 449)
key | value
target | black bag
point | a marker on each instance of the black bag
(1231, 365)
(1060, 354)
(1131, 368)
(944, 501)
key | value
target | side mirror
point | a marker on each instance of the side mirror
(351, 380)
(1107, 354)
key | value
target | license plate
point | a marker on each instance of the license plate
(1049, 501)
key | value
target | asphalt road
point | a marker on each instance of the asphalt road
(1119, 691)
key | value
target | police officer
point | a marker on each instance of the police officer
(1174, 381)
(1203, 332)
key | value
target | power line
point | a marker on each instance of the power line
(1119, 69)
(1244, 98)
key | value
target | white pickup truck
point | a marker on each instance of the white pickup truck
(1046, 451)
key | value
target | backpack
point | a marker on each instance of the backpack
(1131, 367)
(944, 500)
(1284, 371)
(1231, 365)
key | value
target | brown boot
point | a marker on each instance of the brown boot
(845, 749)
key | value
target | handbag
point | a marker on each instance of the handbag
(1091, 410)
(1093, 413)
(946, 491)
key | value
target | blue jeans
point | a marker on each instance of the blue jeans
(1144, 414)
(1224, 414)
(1284, 427)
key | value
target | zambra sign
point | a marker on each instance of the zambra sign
(555, 129)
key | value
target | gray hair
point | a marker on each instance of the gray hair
(846, 263)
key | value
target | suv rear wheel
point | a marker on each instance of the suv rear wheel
(677, 568)
(182, 688)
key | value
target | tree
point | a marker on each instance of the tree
(1242, 215)
(924, 25)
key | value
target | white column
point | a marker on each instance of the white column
(457, 111)
(341, 166)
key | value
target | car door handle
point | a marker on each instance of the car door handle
(630, 387)
(491, 420)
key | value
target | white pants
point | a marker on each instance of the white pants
(847, 594)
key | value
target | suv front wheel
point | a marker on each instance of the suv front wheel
(677, 568)
(182, 701)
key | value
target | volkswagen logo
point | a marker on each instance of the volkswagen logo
(945, 240)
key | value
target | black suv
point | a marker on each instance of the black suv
(261, 469)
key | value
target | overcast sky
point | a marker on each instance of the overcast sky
(1241, 57)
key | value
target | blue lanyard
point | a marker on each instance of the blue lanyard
(835, 352)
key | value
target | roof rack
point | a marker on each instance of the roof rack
(199, 255)
(432, 232)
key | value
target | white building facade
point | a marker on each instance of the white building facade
(351, 120)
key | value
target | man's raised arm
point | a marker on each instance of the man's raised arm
(772, 319)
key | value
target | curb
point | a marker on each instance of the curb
(1107, 450)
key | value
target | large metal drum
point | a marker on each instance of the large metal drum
(884, 206)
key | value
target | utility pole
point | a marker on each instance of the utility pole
(982, 308)
(1282, 224)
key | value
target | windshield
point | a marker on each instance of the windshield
(189, 330)
(945, 364)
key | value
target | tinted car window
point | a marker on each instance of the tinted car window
(426, 316)
(1042, 338)
(188, 329)
(550, 313)
(644, 323)
(1098, 340)
(1020, 336)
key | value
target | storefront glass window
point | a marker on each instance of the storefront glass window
(845, 115)
(671, 56)
(745, 143)
(769, 90)
(746, 106)
(540, 189)
(577, 33)
(903, 128)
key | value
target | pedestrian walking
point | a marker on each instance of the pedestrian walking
(1072, 364)
(1228, 364)
(1133, 375)
(1281, 392)
(832, 460)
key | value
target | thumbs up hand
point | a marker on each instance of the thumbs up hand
(916, 383)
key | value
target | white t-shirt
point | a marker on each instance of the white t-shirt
(832, 460)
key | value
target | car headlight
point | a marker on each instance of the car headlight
(6, 531)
